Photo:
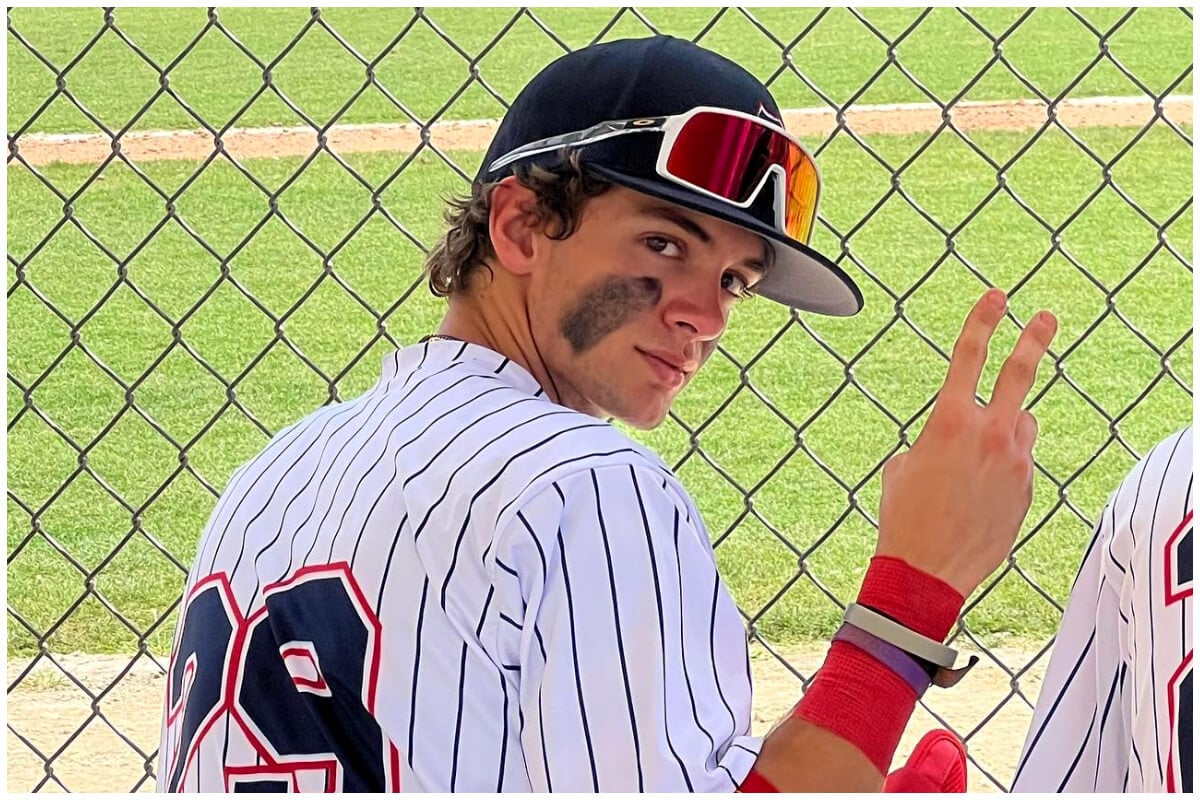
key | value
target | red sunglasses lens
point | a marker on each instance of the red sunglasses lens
(729, 156)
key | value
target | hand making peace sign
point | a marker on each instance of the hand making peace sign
(953, 503)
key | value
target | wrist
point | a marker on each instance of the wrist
(860, 700)
(856, 695)
(912, 597)
(912, 670)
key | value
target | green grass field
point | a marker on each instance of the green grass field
(747, 441)
(838, 53)
(228, 319)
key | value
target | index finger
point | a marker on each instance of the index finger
(971, 348)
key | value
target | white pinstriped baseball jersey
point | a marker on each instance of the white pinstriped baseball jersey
(1115, 710)
(451, 583)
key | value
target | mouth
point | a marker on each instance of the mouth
(670, 373)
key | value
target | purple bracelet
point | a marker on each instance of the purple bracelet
(887, 654)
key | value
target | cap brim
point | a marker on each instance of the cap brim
(800, 277)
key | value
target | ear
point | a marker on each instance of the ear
(514, 226)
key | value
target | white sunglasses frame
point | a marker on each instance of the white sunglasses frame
(670, 128)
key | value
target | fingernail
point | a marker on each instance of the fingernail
(996, 299)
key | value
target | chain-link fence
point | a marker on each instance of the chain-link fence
(101, 174)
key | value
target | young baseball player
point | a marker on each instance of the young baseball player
(468, 580)
(1115, 710)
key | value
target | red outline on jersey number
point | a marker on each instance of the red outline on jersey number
(236, 621)
(276, 767)
(1174, 593)
(1172, 696)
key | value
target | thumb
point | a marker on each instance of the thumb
(1027, 431)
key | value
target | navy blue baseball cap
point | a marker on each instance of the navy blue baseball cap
(655, 77)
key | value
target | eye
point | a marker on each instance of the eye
(736, 285)
(665, 246)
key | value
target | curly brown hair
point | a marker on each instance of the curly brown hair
(562, 191)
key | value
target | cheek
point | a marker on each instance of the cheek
(606, 307)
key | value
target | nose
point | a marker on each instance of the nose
(699, 310)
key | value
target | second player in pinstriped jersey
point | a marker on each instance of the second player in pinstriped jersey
(466, 579)
(1115, 710)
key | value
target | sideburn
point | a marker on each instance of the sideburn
(606, 307)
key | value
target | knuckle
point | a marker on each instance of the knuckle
(1023, 469)
(1022, 369)
(995, 438)
(969, 348)
(1029, 421)
(951, 420)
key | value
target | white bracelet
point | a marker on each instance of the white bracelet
(906, 639)
(911, 642)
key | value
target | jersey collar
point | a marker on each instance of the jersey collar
(443, 352)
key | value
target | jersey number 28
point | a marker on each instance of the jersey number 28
(298, 678)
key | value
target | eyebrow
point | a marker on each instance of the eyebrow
(697, 230)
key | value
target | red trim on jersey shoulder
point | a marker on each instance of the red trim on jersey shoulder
(1173, 590)
(1172, 692)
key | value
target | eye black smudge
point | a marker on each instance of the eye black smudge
(606, 307)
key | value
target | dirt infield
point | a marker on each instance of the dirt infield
(46, 708)
(809, 124)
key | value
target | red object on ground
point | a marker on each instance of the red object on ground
(938, 764)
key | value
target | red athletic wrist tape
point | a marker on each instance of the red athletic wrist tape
(856, 697)
(862, 701)
(915, 599)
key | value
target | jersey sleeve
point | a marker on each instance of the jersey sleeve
(1079, 727)
(1114, 713)
(634, 669)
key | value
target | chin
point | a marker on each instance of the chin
(639, 408)
(644, 419)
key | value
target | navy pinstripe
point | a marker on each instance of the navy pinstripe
(533, 587)
(1102, 722)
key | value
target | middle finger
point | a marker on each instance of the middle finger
(1020, 368)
